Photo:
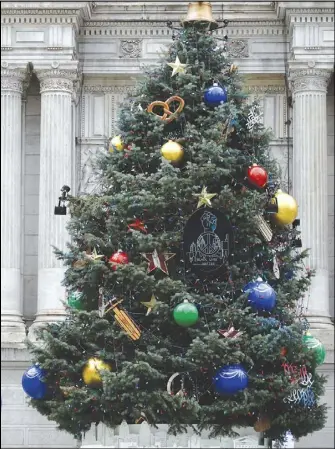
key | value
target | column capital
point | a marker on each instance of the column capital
(57, 79)
(309, 79)
(12, 78)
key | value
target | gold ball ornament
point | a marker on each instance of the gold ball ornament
(116, 144)
(287, 208)
(172, 151)
(91, 372)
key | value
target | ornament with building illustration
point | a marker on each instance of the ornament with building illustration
(207, 242)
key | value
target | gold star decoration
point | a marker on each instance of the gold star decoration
(151, 304)
(177, 67)
(204, 197)
(93, 256)
(158, 260)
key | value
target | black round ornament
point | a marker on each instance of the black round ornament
(207, 242)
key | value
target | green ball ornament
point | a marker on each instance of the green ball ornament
(315, 345)
(185, 314)
(74, 300)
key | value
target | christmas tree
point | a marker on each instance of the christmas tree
(183, 273)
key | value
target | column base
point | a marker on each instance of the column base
(13, 329)
(43, 318)
(13, 334)
(320, 322)
(326, 336)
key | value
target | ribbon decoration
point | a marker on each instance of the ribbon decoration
(303, 396)
(301, 378)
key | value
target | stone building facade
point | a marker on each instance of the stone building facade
(65, 68)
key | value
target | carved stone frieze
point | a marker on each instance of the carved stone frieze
(304, 80)
(264, 89)
(131, 48)
(75, 12)
(236, 28)
(238, 48)
(34, 11)
(125, 89)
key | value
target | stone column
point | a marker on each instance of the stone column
(12, 326)
(56, 170)
(309, 88)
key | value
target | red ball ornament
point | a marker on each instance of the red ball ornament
(257, 175)
(118, 258)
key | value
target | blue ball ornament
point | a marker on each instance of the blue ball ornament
(32, 382)
(230, 379)
(261, 295)
(215, 95)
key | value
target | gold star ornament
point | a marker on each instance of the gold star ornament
(177, 67)
(204, 198)
(95, 256)
(88, 256)
(151, 305)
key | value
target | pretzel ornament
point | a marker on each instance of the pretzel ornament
(168, 115)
